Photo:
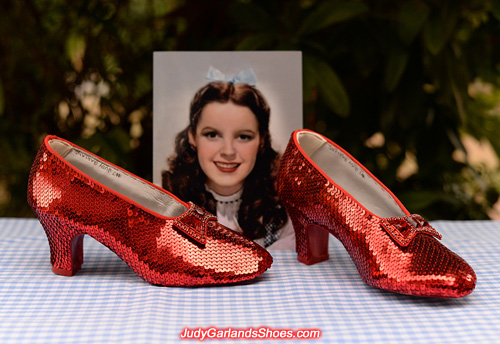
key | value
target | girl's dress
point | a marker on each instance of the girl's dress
(227, 215)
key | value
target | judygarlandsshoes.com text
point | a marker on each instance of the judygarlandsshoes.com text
(250, 333)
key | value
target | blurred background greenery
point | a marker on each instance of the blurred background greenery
(409, 87)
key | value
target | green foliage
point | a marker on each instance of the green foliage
(399, 84)
(323, 78)
(328, 13)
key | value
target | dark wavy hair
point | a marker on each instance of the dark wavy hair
(260, 211)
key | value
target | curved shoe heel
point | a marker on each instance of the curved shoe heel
(66, 247)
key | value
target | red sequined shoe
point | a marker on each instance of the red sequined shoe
(164, 240)
(325, 190)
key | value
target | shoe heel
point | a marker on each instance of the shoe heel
(312, 242)
(66, 246)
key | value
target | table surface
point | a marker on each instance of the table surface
(106, 302)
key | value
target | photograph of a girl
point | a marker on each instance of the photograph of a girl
(224, 162)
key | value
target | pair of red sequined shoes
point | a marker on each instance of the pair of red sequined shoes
(172, 243)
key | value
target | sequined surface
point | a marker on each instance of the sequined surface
(188, 250)
(397, 254)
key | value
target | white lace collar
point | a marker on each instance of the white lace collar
(222, 199)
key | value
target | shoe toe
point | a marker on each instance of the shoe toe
(238, 258)
(226, 257)
(442, 272)
(459, 283)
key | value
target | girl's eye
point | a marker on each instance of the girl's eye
(210, 134)
(245, 137)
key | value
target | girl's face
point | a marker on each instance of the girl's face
(227, 141)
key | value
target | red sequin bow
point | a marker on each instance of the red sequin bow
(194, 222)
(404, 229)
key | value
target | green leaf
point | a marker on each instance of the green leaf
(412, 17)
(330, 13)
(308, 86)
(75, 50)
(250, 16)
(495, 9)
(433, 36)
(2, 99)
(438, 29)
(255, 42)
(329, 85)
(396, 65)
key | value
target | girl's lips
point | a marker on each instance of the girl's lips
(226, 167)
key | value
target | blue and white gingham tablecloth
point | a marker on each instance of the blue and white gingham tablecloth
(107, 303)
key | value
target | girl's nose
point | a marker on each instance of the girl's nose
(227, 150)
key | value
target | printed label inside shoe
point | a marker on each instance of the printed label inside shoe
(355, 167)
(353, 178)
(94, 163)
(125, 184)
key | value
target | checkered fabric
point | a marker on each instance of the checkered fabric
(106, 302)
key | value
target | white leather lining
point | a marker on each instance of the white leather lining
(349, 176)
(121, 182)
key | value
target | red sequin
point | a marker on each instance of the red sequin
(187, 250)
(398, 254)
